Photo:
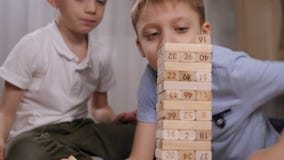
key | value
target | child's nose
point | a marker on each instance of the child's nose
(91, 7)
(168, 37)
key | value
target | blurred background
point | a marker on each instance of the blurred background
(253, 26)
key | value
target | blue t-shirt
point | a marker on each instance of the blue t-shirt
(240, 85)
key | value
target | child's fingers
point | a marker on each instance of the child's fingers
(69, 158)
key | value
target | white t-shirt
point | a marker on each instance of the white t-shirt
(56, 88)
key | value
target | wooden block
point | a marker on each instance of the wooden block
(203, 155)
(184, 125)
(167, 134)
(203, 76)
(185, 145)
(203, 135)
(205, 95)
(188, 95)
(177, 66)
(180, 85)
(158, 143)
(204, 39)
(187, 76)
(185, 47)
(170, 95)
(203, 58)
(203, 115)
(188, 115)
(169, 57)
(186, 155)
(169, 76)
(166, 154)
(184, 105)
(168, 115)
(188, 57)
(187, 135)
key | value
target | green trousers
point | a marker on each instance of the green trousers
(81, 138)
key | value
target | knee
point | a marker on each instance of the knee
(25, 147)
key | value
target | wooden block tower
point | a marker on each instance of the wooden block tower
(184, 106)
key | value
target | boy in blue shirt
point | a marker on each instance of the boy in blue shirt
(50, 75)
(240, 84)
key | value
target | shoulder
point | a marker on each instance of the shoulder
(149, 78)
(100, 50)
(226, 57)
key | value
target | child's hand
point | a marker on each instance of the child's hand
(69, 158)
(275, 152)
(2, 151)
(126, 117)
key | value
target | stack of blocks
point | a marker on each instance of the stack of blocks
(184, 106)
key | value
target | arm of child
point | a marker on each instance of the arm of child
(101, 110)
(10, 101)
(275, 152)
(126, 117)
(144, 142)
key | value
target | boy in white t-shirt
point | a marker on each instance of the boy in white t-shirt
(49, 77)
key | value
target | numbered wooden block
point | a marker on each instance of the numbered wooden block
(203, 155)
(169, 76)
(204, 58)
(189, 135)
(168, 115)
(187, 76)
(186, 155)
(166, 154)
(203, 115)
(188, 95)
(188, 57)
(188, 115)
(203, 135)
(203, 77)
(167, 134)
(205, 39)
(204, 95)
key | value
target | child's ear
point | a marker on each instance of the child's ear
(139, 46)
(206, 28)
(53, 3)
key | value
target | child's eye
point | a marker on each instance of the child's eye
(101, 1)
(152, 36)
(181, 29)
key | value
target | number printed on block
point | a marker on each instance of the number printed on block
(202, 95)
(168, 134)
(204, 58)
(187, 76)
(203, 155)
(187, 115)
(168, 115)
(187, 135)
(203, 77)
(189, 57)
(203, 135)
(166, 154)
(188, 95)
(186, 155)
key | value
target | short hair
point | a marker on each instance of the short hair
(138, 5)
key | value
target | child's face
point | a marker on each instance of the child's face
(166, 22)
(79, 16)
